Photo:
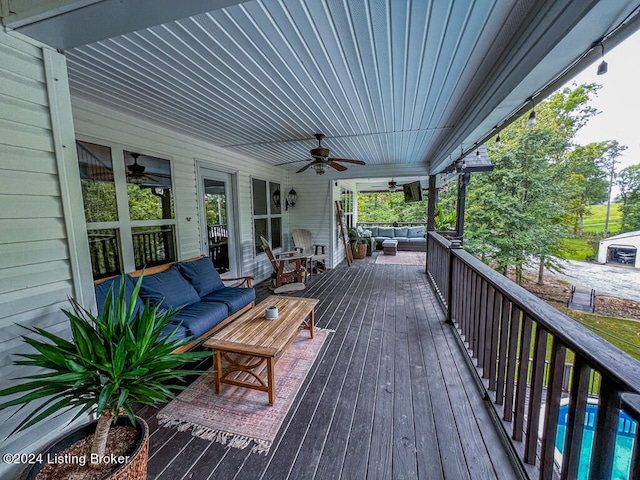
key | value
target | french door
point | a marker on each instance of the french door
(218, 220)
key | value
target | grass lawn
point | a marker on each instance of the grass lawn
(594, 222)
(623, 333)
(577, 248)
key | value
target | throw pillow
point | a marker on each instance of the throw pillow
(385, 232)
(400, 232)
(202, 275)
(415, 232)
(168, 287)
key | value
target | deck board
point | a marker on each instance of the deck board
(389, 396)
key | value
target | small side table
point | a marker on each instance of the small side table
(390, 247)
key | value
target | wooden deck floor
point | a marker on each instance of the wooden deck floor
(390, 396)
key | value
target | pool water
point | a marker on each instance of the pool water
(624, 441)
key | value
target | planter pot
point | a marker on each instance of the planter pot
(359, 250)
(134, 469)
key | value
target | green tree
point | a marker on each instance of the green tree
(587, 181)
(629, 183)
(516, 212)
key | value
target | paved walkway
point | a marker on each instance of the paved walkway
(609, 279)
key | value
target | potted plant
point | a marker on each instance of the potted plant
(115, 359)
(358, 243)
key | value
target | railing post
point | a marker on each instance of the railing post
(455, 244)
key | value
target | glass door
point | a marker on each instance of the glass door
(218, 228)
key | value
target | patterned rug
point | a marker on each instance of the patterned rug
(240, 417)
(402, 258)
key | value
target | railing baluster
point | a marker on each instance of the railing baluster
(631, 405)
(604, 435)
(514, 334)
(482, 323)
(495, 338)
(535, 394)
(578, 394)
(505, 315)
(523, 373)
(552, 411)
(489, 341)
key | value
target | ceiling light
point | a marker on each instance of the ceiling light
(320, 168)
(603, 67)
(392, 186)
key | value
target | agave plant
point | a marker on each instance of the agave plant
(115, 359)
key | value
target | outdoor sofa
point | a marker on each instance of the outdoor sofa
(409, 238)
(194, 284)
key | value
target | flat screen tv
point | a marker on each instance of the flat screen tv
(412, 192)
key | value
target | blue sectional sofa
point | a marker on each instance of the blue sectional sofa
(207, 304)
(409, 238)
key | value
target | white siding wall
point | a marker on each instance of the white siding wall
(38, 249)
(106, 126)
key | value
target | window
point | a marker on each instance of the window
(146, 214)
(347, 205)
(267, 215)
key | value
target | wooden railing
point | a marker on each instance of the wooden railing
(496, 320)
(390, 224)
(150, 248)
(153, 247)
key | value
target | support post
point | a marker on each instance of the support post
(455, 244)
(463, 181)
(431, 205)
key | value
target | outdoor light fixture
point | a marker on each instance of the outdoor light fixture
(292, 198)
(276, 198)
(392, 186)
(289, 202)
(320, 168)
(531, 121)
(602, 68)
(498, 141)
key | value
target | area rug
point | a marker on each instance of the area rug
(240, 417)
(402, 258)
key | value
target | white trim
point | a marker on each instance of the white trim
(68, 174)
(206, 170)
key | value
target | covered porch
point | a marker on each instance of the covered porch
(390, 396)
(232, 93)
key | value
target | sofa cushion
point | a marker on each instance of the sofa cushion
(400, 232)
(417, 240)
(102, 289)
(385, 232)
(415, 232)
(201, 317)
(374, 231)
(401, 239)
(168, 287)
(202, 275)
(179, 334)
(235, 298)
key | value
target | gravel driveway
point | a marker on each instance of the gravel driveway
(611, 280)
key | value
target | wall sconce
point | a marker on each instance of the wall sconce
(289, 201)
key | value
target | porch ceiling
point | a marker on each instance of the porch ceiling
(389, 82)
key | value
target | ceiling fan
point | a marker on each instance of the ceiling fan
(135, 171)
(320, 159)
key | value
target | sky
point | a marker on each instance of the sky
(618, 100)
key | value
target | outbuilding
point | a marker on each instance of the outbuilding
(620, 249)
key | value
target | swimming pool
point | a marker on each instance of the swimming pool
(624, 441)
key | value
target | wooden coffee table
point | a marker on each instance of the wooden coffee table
(252, 345)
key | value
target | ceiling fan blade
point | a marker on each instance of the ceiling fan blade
(308, 165)
(337, 166)
(294, 161)
(346, 160)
